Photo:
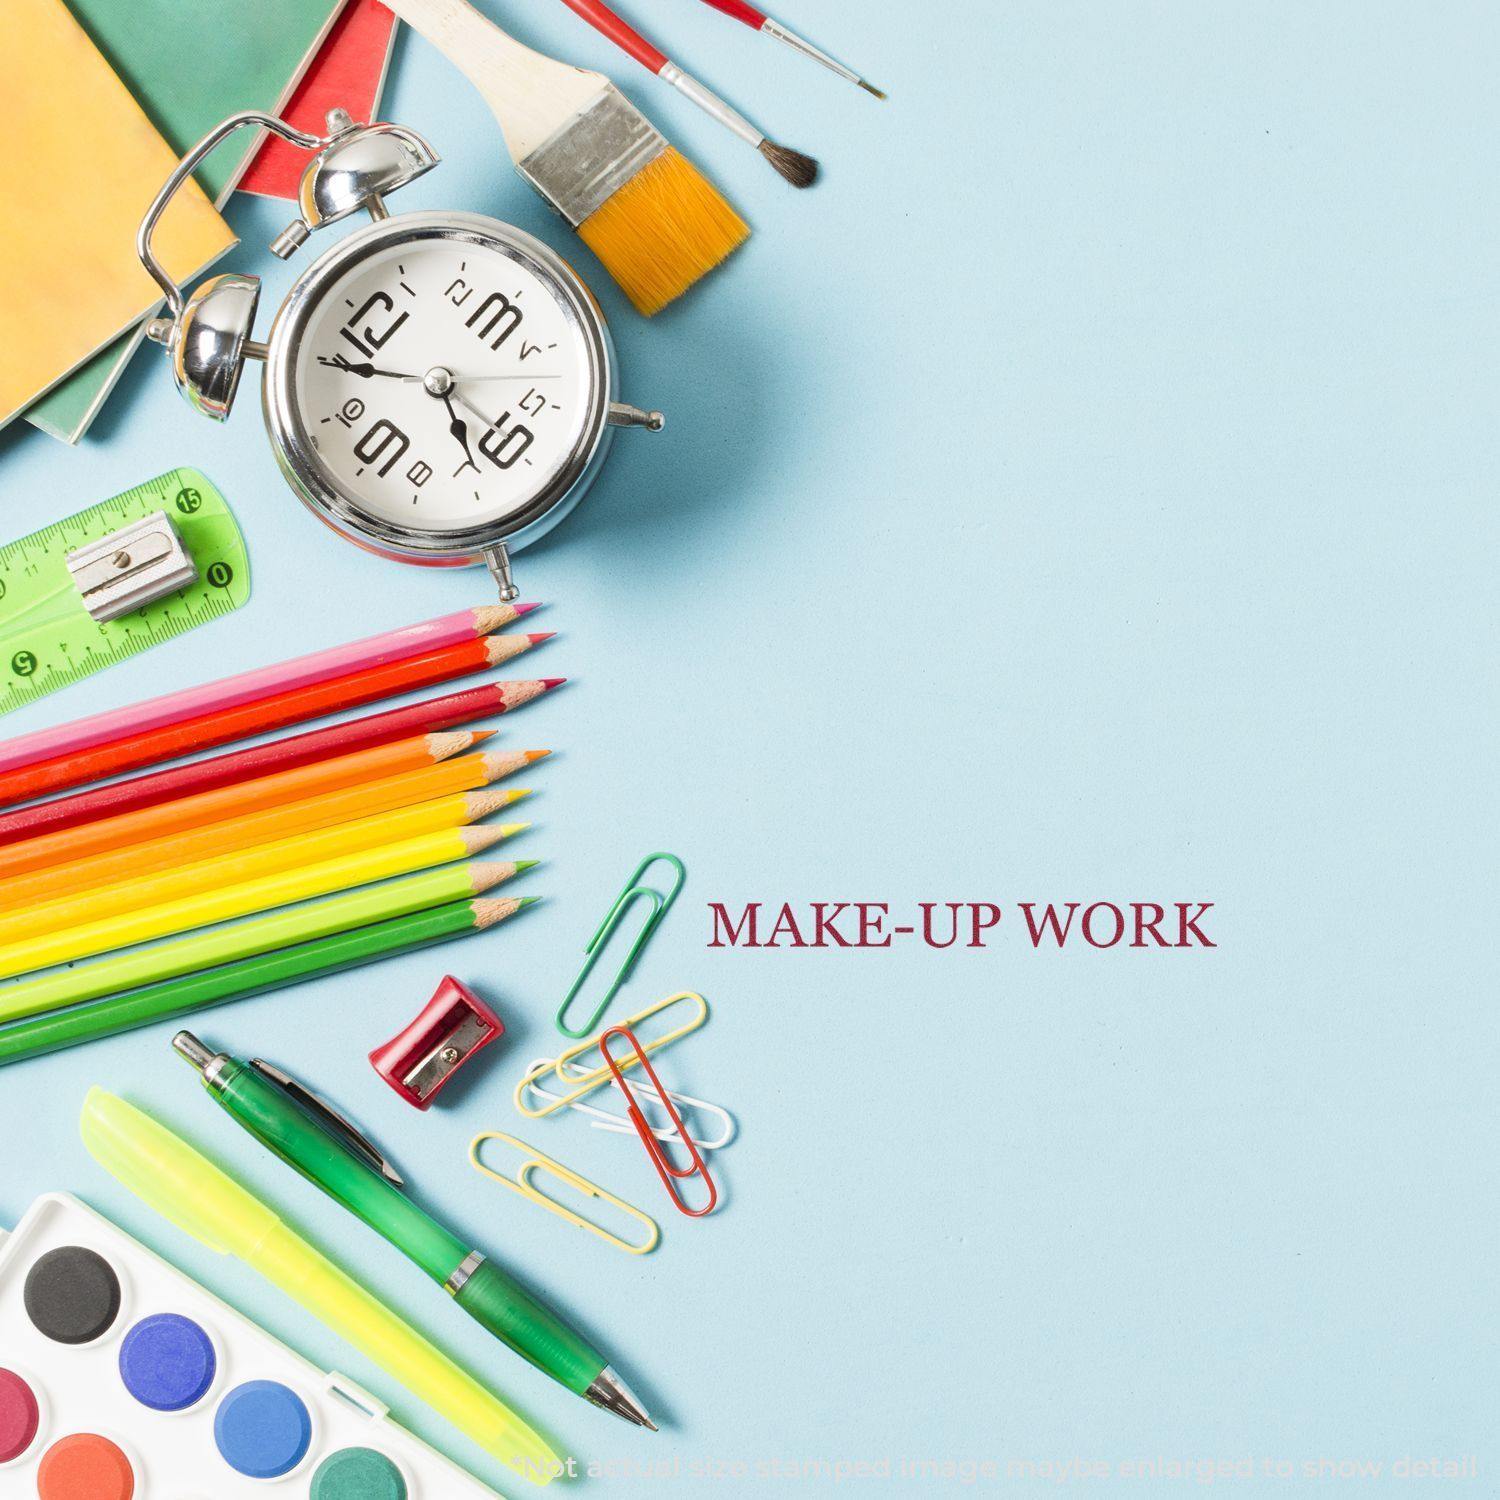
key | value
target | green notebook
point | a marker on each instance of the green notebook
(188, 65)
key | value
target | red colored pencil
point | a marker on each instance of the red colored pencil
(316, 702)
(261, 760)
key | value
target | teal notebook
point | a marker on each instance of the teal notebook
(188, 65)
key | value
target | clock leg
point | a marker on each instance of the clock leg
(497, 560)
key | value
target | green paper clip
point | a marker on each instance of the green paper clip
(612, 918)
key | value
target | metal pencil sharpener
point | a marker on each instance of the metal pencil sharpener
(131, 568)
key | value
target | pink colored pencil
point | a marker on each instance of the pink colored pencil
(250, 687)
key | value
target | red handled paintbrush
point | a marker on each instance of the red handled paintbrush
(758, 20)
(799, 170)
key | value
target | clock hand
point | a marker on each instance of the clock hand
(521, 375)
(460, 429)
(364, 371)
(464, 401)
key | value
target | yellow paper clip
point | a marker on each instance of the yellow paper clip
(537, 1162)
(579, 1084)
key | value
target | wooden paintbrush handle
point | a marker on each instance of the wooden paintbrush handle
(531, 95)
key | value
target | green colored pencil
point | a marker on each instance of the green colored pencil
(221, 945)
(175, 998)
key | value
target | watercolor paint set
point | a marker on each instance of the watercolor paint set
(121, 1379)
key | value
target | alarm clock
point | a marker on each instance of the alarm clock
(439, 388)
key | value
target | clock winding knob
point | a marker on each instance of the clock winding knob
(623, 414)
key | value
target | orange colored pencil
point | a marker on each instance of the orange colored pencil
(295, 706)
(464, 780)
(374, 764)
(467, 778)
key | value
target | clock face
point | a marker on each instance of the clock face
(439, 381)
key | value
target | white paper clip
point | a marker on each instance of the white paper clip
(602, 1119)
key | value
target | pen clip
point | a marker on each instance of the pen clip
(337, 1125)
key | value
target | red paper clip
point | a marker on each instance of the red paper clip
(669, 1173)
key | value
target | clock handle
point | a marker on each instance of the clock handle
(221, 132)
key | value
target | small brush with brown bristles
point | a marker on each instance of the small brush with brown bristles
(653, 219)
(799, 170)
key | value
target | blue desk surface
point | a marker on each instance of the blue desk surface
(1086, 493)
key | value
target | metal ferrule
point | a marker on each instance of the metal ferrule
(806, 48)
(208, 1062)
(584, 164)
(707, 100)
(464, 1270)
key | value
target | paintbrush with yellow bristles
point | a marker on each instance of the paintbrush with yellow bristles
(654, 220)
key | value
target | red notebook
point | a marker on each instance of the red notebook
(349, 70)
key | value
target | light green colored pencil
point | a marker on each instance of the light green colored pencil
(173, 999)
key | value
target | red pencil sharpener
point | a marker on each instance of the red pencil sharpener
(420, 1061)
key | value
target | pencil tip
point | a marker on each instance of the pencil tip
(477, 837)
(526, 864)
(524, 609)
(535, 755)
(497, 908)
(536, 637)
(481, 735)
(548, 683)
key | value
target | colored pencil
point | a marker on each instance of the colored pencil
(189, 843)
(250, 687)
(222, 945)
(262, 716)
(225, 903)
(172, 999)
(419, 752)
(295, 750)
(162, 886)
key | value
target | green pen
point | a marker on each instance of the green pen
(319, 1143)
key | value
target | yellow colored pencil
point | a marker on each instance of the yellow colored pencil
(303, 849)
(324, 811)
(223, 903)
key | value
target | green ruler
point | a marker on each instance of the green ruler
(48, 638)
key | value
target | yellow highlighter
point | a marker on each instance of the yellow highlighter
(182, 1185)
